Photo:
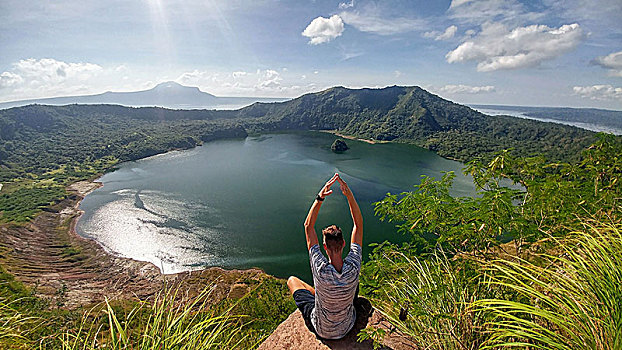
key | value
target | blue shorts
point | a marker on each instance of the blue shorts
(305, 301)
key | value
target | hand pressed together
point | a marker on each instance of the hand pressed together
(326, 191)
(344, 186)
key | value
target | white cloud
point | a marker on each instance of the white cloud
(469, 33)
(599, 92)
(372, 20)
(497, 48)
(121, 68)
(346, 5)
(348, 53)
(466, 89)
(31, 78)
(446, 35)
(456, 3)
(49, 70)
(269, 79)
(322, 30)
(397, 73)
(8, 79)
(613, 62)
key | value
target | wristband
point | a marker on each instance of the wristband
(318, 198)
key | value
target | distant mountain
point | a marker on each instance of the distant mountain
(586, 118)
(169, 95)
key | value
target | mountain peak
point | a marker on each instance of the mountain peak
(173, 86)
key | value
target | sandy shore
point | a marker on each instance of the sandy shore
(70, 270)
(336, 133)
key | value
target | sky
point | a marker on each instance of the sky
(506, 52)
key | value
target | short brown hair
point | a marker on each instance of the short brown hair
(333, 237)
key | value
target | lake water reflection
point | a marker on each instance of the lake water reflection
(241, 203)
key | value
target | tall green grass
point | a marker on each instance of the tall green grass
(168, 322)
(570, 300)
(15, 327)
(428, 302)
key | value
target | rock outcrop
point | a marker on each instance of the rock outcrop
(339, 146)
(294, 334)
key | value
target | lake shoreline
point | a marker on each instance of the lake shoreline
(337, 133)
(375, 142)
(86, 272)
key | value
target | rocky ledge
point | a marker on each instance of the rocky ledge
(293, 334)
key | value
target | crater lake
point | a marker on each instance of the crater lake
(241, 203)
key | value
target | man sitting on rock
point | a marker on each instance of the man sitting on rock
(329, 307)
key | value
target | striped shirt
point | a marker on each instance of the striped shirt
(334, 314)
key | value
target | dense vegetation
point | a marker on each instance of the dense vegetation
(461, 299)
(43, 148)
(555, 285)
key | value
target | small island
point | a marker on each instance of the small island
(339, 146)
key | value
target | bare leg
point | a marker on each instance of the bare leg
(295, 283)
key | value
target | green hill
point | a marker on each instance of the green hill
(411, 114)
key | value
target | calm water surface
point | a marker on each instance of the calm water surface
(242, 203)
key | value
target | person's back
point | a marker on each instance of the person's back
(329, 308)
(334, 314)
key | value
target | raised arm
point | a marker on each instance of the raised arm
(315, 209)
(355, 211)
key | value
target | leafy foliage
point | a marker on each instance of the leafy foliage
(413, 115)
(44, 148)
(263, 309)
(558, 288)
(522, 199)
(22, 205)
(52, 146)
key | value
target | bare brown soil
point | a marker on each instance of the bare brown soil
(71, 271)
